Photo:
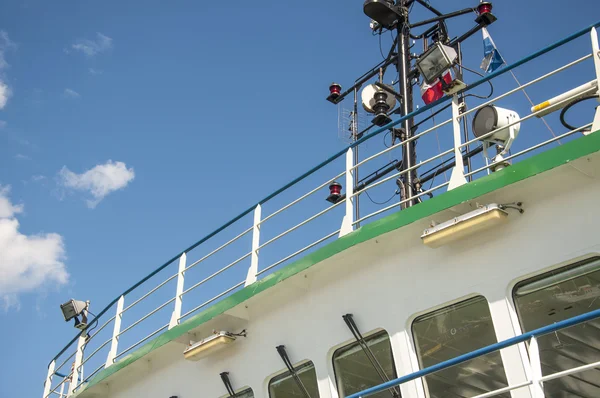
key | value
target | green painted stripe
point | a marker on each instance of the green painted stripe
(529, 167)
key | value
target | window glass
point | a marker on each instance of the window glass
(553, 297)
(452, 331)
(353, 370)
(285, 385)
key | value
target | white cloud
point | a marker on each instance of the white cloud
(2, 124)
(20, 156)
(5, 93)
(70, 93)
(7, 209)
(98, 181)
(5, 45)
(95, 71)
(27, 262)
(92, 47)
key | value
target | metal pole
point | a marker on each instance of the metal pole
(354, 139)
(408, 149)
(462, 102)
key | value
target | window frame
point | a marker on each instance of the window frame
(239, 391)
(438, 309)
(297, 366)
(539, 275)
(568, 266)
(370, 335)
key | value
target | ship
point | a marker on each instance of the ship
(479, 277)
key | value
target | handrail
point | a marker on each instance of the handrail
(480, 352)
(327, 161)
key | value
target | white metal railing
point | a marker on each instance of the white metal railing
(346, 223)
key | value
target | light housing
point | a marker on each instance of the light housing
(378, 101)
(383, 12)
(334, 93)
(436, 61)
(463, 226)
(217, 341)
(490, 118)
(73, 308)
(484, 9)
(335, 192)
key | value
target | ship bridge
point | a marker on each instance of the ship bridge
(489, 285)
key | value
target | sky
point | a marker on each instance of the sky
(130, 130)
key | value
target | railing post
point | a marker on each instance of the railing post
(537, 388)
(348, 221)
(114, 345)
(253, 270)
(178, 299)
(457, 178)
(596, 56)
(48, 382)
(78, 360)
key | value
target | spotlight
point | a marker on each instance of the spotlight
(72, 309)
(492, 118)
(334, 93)
(377, 101)
(335, 192)
(383, 12)
(484, 9)
(436, 61)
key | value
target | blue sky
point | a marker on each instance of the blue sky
(129, 130)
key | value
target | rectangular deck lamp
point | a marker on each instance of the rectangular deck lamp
(468, 224)
(205, 347)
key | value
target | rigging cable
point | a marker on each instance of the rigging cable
(569, 105)
(479, 74)
(379, 203)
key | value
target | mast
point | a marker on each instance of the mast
(439, 57)
(355, 153)
(406, 90)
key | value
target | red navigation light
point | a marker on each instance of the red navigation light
(334, 92)
(485, 17)
(484, 8)
(335, 192)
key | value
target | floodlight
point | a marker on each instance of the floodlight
(383, 12)
(198, 350)
(436, 61)
(73, 308)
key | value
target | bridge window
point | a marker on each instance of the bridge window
(452, 331)
(553, 297)
(353, 370)
(285, 385)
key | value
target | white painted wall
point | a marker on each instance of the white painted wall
(386, 283)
